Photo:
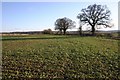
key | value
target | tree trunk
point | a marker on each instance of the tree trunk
(64, 31)
(93, 30)
(80, 30)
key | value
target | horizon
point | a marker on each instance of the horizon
(37, 16)
(67, 31)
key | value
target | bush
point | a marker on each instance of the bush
(47, 31)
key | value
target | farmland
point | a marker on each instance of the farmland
(59, 56)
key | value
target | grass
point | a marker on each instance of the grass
(58, 56)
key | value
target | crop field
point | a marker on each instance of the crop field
(59, 56)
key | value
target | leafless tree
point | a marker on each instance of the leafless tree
(62, 24)
(95, 15)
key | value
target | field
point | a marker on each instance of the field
(58, 56)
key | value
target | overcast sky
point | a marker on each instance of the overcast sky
(37, 16)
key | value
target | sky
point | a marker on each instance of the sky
(37, 16)
(119, 16)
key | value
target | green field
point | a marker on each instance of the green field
(58, 56)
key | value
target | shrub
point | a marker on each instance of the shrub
(47, 31)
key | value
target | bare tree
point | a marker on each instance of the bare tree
(64, 24)
(95, 15)
(80, 24)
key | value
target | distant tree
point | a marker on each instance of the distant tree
(80, 24)
(62, 24)
(47, 31)
(95, 15)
